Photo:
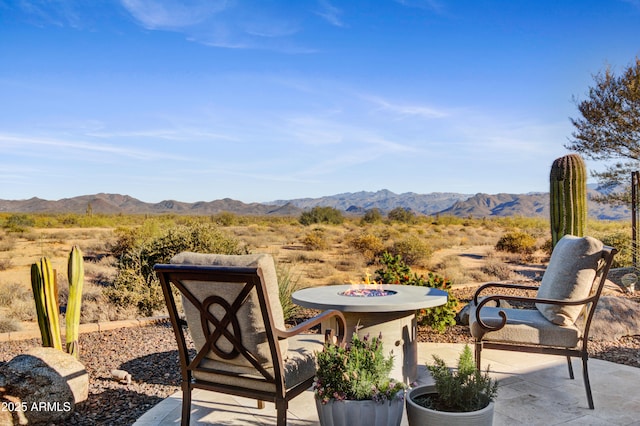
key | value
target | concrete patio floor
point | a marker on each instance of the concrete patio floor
(534, 390)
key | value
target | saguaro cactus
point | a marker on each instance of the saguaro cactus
(568, 196)
(75, 270)
(45, 294)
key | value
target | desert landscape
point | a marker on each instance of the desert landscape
(462, 250)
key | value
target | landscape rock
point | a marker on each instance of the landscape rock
(614, 318)
(44, 384)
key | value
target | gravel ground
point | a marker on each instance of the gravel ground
(150, 355)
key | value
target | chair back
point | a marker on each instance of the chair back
(232, 310)
(573, 273)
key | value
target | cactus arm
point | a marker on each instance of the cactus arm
(75, 270)
(45, 295)
(38, 297)
(51, 302)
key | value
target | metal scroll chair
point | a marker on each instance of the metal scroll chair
(233, 314)
(559, 316)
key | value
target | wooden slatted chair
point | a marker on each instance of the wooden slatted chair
(560, 314)
(233, 313)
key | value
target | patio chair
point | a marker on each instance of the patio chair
(234, 316)
(558, 318)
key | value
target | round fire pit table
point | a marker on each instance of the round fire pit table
(389, 311)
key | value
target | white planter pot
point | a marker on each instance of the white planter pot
(419, 415)
(360, 413)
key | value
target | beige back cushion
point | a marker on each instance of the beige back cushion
(252, 327)
(569, 276)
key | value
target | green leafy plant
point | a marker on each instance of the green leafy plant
(357, 371)
(396, 271)
(461, 390)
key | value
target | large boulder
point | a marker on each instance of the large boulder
(43, 385)
(614, 318)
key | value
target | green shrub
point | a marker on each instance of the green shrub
(328, 215)
(372, 216)
(412, 250)
(517, 242)
(315, 240)
(400, 214)
(368, 245)
(18, 222)
(396, 271)
(138, 250)
(460, 390)
(621, 241)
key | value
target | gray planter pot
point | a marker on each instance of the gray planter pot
(360, 413)
(419, 415)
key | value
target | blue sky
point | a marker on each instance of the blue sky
(263, 100)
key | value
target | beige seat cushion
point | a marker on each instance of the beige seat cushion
(299, 366)
(569, 276)
(524, 326)
(252, 327)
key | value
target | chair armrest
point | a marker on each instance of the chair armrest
(501, 285)
(311, 322)
(532, 300)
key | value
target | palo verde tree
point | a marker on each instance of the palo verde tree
(609, 128)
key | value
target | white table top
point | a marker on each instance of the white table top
(406, 298)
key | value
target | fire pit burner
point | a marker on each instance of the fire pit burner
(367, 292)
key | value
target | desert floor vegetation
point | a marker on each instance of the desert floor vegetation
(463, 250)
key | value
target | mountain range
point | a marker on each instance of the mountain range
(435, 203)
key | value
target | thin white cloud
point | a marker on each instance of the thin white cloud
(330, 13)
(433, 5)
(8, 142)
(405, 110)
(173, 14)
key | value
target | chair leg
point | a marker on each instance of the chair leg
(281, 412)
(570, 367)
(587, 384)
(186, 405)
(478, 353)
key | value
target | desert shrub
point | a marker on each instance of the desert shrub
(5, 264)
(136, 284)
(395, 271)
(372, 216)
(7, 325)
(7, 243)
(288, 283)
(412, 250)
(497, 270)
(10, 293)
(400, 214)
(315, 240)
(328, 215)
(226, 219)
(18, 222)
(368, 245)
(517, 242)
(622, 242)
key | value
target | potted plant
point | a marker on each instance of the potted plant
(462, 396)
(352, 385)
